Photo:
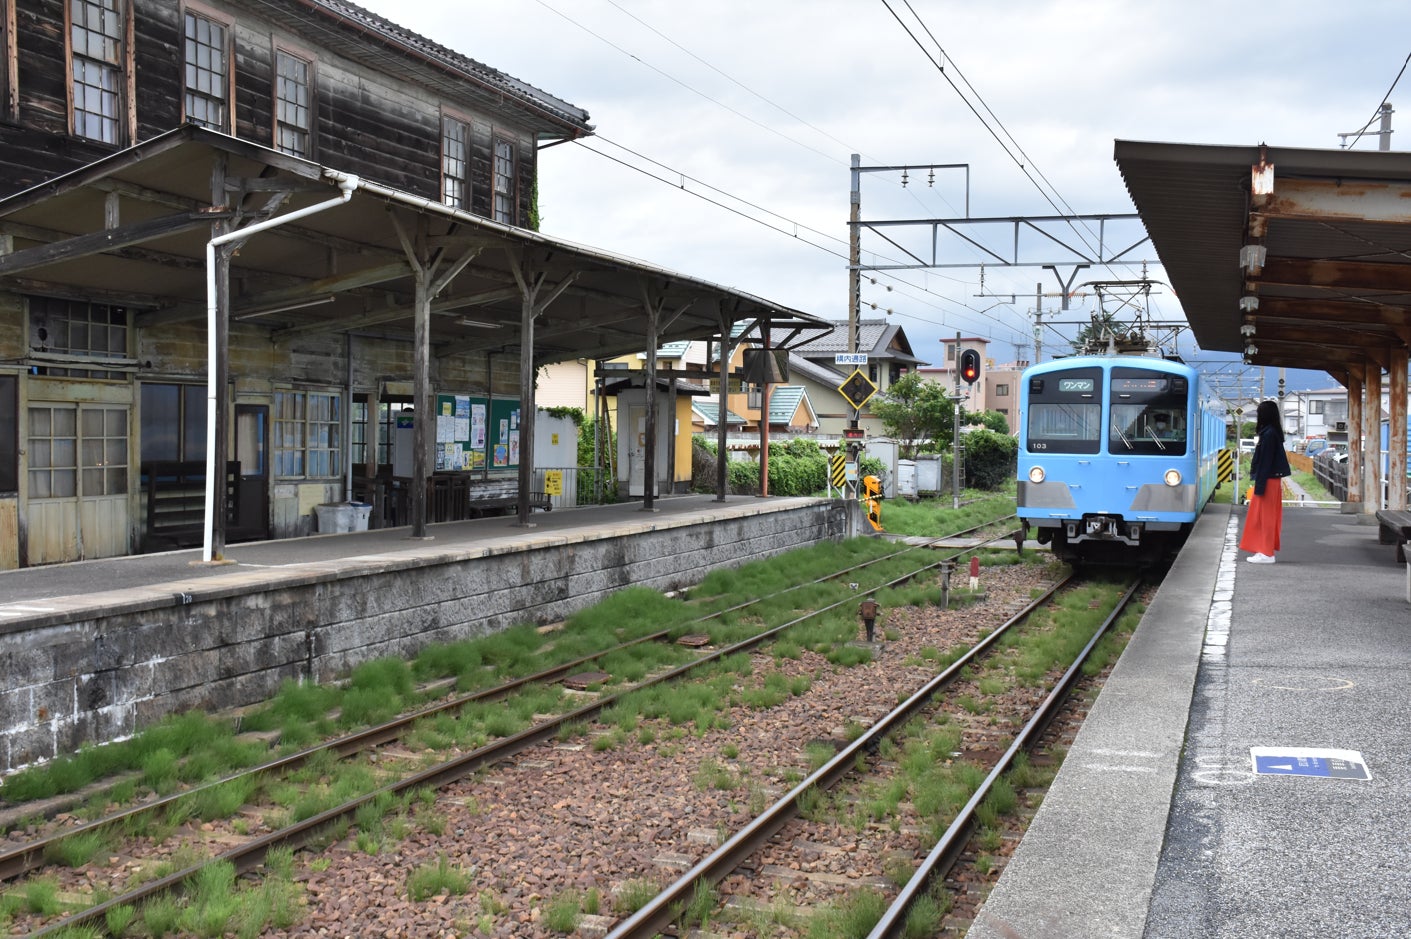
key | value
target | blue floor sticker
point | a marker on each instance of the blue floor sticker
(1309, 761)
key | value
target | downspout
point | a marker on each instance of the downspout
(347, 185)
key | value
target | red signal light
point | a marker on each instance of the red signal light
(970, 366)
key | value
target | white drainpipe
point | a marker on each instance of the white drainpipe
(347, 184)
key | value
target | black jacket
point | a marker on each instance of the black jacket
(1269, 460)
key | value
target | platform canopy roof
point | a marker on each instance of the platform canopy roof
(133, 229)
(1292, 257)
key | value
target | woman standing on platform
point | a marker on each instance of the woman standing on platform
(1267, 468)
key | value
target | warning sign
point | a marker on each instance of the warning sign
(1309, 761)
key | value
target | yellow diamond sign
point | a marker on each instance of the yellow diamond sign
(857, 388)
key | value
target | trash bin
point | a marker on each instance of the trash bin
(360, 513)
(334, 517)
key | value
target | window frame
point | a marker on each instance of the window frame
(509, 214)
(462, 182)
(74, 316)
(118, 67)
(310, 108)
(227, 97)
(306, 442)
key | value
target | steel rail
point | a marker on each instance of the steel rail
(665, 907)
(947, 850)
(251, 855)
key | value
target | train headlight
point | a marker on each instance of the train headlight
(1036, 474)
(1172, 477)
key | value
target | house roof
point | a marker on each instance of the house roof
(874, 337)
(361, 35)
(710, 413)
(785, 401)
(343, 270)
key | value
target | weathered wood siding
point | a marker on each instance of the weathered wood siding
(375, 124)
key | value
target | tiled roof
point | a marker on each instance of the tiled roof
(710, 413)
(784, 401)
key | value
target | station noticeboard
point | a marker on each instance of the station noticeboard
(1309, 761)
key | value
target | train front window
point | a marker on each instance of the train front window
(1065, 412)
(1148, 414)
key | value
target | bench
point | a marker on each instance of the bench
(488, 506)
(1394, 527)
(175, 502)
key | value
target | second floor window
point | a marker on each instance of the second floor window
(455, 163)
(504, 182)
(207, 72)
(1001, 391)
(95, 33)
(292, 104)
(94, 331)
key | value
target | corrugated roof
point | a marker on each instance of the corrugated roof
(1335, 286)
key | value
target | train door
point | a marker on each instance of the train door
(77, 505)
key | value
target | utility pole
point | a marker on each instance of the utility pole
(854, 250)
(1383, 135)
(1038, 323)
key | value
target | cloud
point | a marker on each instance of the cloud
(765, 102)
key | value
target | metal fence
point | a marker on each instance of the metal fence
(570, 486)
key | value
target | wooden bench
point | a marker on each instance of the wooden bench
(1394, 527)
(175, 496)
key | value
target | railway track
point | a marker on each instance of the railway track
(666, 908)
(247, 856)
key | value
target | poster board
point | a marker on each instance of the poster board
(474, 432)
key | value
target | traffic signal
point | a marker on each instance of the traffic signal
(970, 366)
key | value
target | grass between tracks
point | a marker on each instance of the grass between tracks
(190, 752)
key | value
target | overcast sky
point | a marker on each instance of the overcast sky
(747, 113)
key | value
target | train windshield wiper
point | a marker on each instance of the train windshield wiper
(1121, 436)
(1152, 434)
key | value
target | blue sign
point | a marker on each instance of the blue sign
(1309, 761)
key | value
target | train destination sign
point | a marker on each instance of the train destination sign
(1309, 761)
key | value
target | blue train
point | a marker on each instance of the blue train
(1117, 455)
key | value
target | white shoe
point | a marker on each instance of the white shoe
(1260, 559)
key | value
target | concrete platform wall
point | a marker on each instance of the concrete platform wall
(128, 658)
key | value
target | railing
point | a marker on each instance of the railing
(577, 485)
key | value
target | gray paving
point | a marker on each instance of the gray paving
(1159, 827)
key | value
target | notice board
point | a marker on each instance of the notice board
(476, 433)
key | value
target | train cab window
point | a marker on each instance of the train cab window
(1148, 414)
(1065, 412)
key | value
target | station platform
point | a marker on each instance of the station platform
(1246, 769)
(171, 570)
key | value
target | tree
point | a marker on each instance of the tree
(914, 410)
(993, 420)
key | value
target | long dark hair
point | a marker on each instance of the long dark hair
(1267, 416)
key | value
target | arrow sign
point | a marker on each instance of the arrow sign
(1309, 761)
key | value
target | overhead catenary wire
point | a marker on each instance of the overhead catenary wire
(1381, 104)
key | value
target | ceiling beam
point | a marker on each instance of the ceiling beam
(1360, 275)
(1349, 200)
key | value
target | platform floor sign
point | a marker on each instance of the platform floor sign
(1309, 761)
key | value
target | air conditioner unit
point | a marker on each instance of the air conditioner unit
(1340, 426)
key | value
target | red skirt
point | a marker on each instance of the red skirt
(1264, 520)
